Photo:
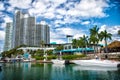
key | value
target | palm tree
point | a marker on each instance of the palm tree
(74, 43)
(104, 35)
(85, 38)
(119, 32)
(94, 38)
(84, 41)
(94, 31)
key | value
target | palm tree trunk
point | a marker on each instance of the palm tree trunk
(106, 48)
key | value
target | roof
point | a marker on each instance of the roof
(77, 50)
(114, 44)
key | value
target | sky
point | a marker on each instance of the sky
(65, 17)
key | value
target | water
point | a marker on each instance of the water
(33, 71)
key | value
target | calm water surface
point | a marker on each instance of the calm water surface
(33, 71)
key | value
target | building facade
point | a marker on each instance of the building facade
(18, 38)
(8, 36)
(42, 35)
(27, 32)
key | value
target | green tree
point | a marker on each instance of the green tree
(104, 35)
(74, 43)
(58, 48)
(85, 42)
(49, 52)
(42, 43)
(39, 52)
(94, 36)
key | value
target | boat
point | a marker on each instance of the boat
(57, 61)
(97, 62)
(26, 60)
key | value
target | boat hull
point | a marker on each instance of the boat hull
(100, 63)
(56, 61)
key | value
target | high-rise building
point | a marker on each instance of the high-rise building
(29, 31)
(24, 29)
(42, 34)
(8, 36)
(26, 32)
(18, 29)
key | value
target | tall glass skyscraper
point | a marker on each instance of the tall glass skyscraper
(8, 36)
(18, 29)
(42, 33)
(26, 32)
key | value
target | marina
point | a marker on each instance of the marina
(48, 71)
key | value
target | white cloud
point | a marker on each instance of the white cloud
(7, 19)
(2, 35)
(89, 8)
(61, 11)
(24, 4)
(85, 23)
(49, 15)
(58, 41)
(111, 29)
(102, 28)
(3, 25)
(1, 6)
(60, 34)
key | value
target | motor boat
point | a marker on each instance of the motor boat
(58, 61)
(97, 62)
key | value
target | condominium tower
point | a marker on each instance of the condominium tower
(27, 32)
(42, 33)
(8, 36)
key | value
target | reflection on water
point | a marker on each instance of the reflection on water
(33, 71)
(95, 68)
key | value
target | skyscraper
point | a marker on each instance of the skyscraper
(30, 32)
(26, 32)
(42, 33)
(8, 36)
(18, 29)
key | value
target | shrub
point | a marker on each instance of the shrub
(70, 57)
(38, 57)
(51, 57)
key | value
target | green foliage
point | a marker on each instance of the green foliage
(13, 51)
(59, 48)
(39, 57)
(81, 42)
(39, 52)
(51, 57)
(49, 52)
(70, 57)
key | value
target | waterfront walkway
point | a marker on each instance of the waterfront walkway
(112, 56)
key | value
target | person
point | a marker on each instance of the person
(96, 57)
(106, 56)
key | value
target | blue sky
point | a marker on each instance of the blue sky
(74, 17)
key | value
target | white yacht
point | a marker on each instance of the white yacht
(58, 61)
(95, 62)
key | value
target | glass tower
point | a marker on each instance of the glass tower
(8, 36)
(42, 34)
(27, 32)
